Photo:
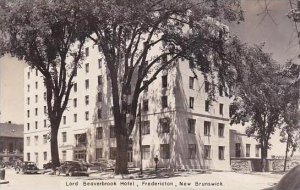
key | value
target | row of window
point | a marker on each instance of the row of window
(238, 150)
(207, 105)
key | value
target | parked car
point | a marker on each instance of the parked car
(72, 168)
(27, 167)
(102, 165)
(48, 165)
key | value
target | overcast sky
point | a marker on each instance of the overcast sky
(276, 30)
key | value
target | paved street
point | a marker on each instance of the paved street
(213, 181)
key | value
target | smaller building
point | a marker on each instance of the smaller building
(11, 142)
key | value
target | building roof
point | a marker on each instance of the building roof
(11, 130)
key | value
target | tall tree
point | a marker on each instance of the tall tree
(290, 130)
(259, 97)
(49, 36)
(141, 38)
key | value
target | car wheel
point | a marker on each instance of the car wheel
(71, 173)
(57, 172)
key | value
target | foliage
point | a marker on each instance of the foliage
(49, 36)
(139, 39)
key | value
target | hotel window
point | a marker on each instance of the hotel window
(207, 105)
(75, 118)
(36, 72)
(36, 98)
(191, 63)
(28, 88)
(164, 101)
(87, 100)
(112, 131)
(45, 123)
(28, 156)
(28, 126)
(220, 90)
(192, 102)
(28, 141)
(45, 96)
(192, 151)
(191, 82)
(146, 152)
(99, 96)
(64, 155)
(86, 115)
(238, 150)
(36, 125)
(75, 87)
(248, 150)
(87, 67)
(191, 126)
(99, 152)
(221, 127)
(64, 119)
(164, 151)
(145, 105)
(36, 111)
(28, 101)
(164, 81)
(257, 150)
(99, 48)
(45, 138)
(99, 63)
(75, 102)
(45, 156)
(87, 84)
(221, 152)
(28, 113)
(100, 80)
(28, 75)
(45, 109)
(87, 51)
(145, 127)
(112, 153)
(165, 125)
(36, 85)
(36, 140)
(64, 136)
(221, 109)
(207, 125)
(99, 113)
(206, 86)
(99, 133)
(207, 152)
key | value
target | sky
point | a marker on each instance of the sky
(11, 90)
(273, 29)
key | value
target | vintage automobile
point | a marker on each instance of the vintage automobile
(102, 165)
(48, 165)
(72, 168)
(27, 168)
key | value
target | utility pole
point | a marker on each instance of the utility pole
(140, 139)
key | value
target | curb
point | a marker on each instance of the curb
(4, 182)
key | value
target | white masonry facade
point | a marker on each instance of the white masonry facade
(179, 125)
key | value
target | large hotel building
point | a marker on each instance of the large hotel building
(179, 124)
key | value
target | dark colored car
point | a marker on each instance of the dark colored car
(26, 168)
(102, 165)
(72, 168)
(48, 165)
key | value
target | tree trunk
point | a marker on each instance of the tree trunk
(286, 153)
(122, 144)
(264, 155)
(54, 147)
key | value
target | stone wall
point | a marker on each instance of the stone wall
(241, 165)
(277, 164)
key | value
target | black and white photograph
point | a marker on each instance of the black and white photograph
(150, 94)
